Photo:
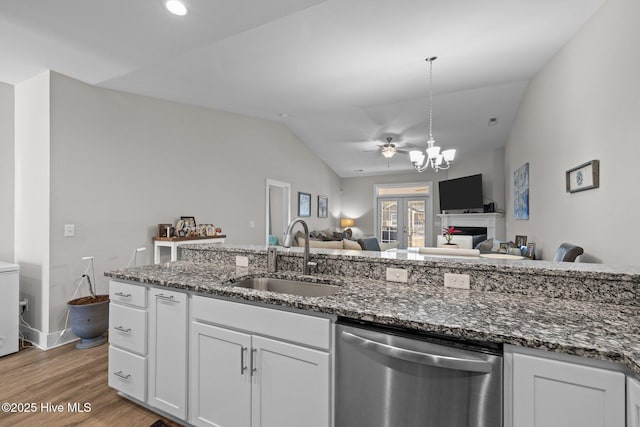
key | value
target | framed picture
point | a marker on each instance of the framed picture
(583, 177)
(504, 248)
(165, 230)
(211, 230)
(189, 221)
(521, 241)
(521, 192)
(304, 204)
(323, 206)
(531, 251)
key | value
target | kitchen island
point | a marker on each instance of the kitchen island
(580, 310)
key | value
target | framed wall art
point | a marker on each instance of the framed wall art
(323, 206)
(583, 177)
(304, 204)
(521, 192)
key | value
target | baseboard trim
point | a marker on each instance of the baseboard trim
(47, 341)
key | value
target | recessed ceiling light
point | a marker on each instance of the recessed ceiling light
(358, 170)
(493, 121)
(284, 115)
(176, 7)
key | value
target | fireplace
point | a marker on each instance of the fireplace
(472, 224)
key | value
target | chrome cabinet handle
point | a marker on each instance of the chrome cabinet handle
(243, 367)
(121, 375)
(166, 297)
(253, 361)
(122, 329)
(436, 360)
(123, 295)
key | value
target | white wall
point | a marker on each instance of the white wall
(32, 196)
(583, 105)
(7, 180)
(122, 163)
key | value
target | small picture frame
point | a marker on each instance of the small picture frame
(211, 230)
(165, 230)
(504, 248)
(304, 204)
(521, 241)
(583, 177)
(531, 251)
(323, 206)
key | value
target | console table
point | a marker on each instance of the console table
(493, 222)
(174, 242)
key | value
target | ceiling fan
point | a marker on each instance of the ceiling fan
(390, 149)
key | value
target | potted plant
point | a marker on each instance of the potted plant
(448, 233)
(89, 315)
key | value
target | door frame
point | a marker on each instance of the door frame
(429, 214)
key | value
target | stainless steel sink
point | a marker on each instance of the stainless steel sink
(291, 287)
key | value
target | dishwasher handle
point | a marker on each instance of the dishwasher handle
(460, 364)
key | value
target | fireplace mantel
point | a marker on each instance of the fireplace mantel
(494, 222)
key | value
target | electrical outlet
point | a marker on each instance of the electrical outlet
(252, 224)
(458, 281)
(242, 261)
(69, 230)
(397, 275)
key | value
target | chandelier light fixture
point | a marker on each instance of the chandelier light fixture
(433, 157)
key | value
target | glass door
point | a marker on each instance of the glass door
(402, 219)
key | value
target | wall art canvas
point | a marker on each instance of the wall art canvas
(521, 192)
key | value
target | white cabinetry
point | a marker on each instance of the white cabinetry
(249, 369)
(633, 402)
(128, 339)
(148, 345)
(550, 393)
(8, 308)
(168, 313)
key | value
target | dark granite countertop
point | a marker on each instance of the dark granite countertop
(601, 331)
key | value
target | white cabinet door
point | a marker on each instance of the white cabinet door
(550, 393)
(220, 377)
(168, 351)
(290, 385)
(633, 402)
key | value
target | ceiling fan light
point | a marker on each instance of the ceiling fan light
(433, 152)
(449, 155)
(388, 152)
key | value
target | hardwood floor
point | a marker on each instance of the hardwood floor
(64, 376)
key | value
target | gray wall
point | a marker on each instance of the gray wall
(122, 163)
(583, 105)
(7, 180)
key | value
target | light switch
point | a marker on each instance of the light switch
(69, 230)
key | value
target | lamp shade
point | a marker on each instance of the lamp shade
(347, 222)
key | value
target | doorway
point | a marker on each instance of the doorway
(404, 214)
(278, 210)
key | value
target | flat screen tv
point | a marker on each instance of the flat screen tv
(461, 193)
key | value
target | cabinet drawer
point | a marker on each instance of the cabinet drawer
(298, 328)
(128, 373)
(128, 294)
(128, 328)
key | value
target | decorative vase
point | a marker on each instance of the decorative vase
(89, 320)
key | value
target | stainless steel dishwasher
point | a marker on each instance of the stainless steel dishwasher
(387, 377)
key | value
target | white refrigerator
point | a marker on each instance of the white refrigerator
(9, 301)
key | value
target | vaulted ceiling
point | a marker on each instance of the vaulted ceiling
(341, 74)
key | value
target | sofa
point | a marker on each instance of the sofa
(335, 240)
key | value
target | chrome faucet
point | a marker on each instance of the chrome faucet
(288, 238)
